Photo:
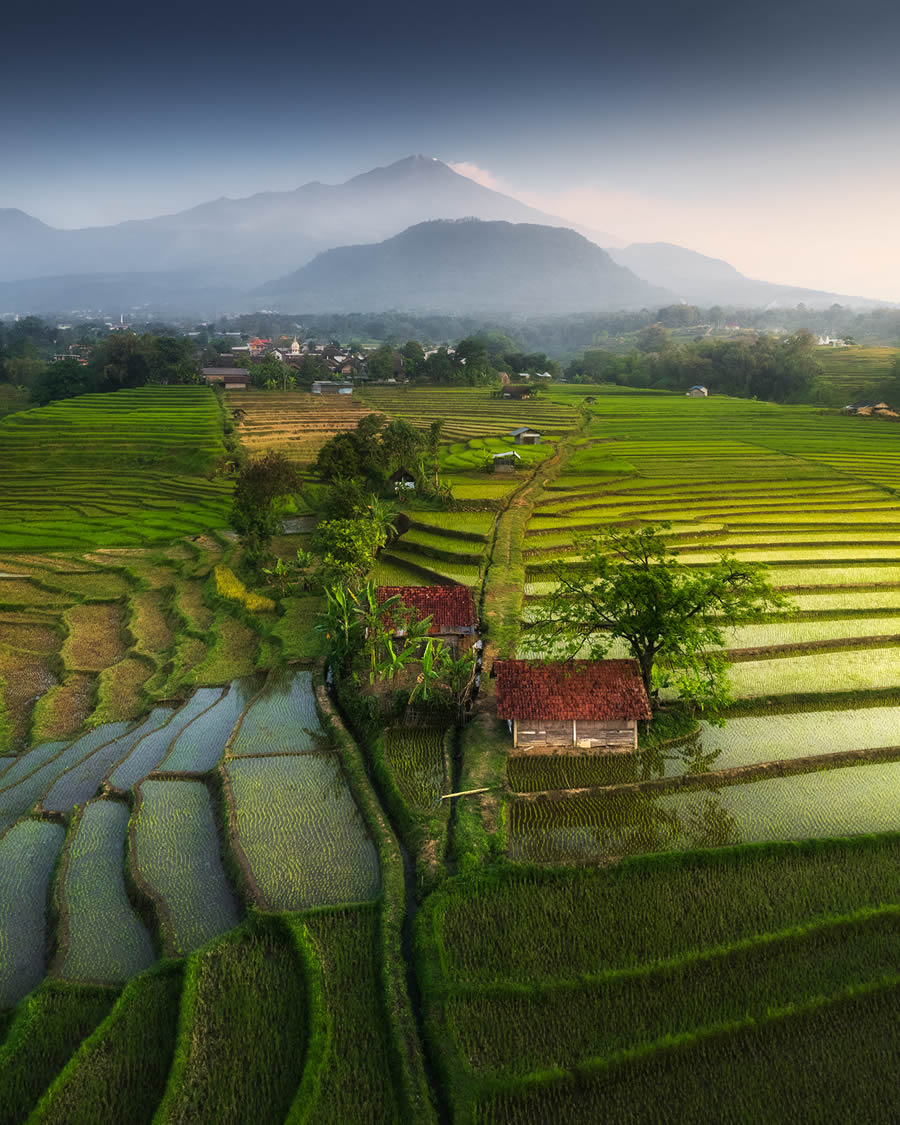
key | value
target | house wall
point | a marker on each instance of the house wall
(593, 734)
(567, 736)
(542, 732)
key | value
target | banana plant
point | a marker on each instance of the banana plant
(338, 623)
(396, 659)
(429, 678)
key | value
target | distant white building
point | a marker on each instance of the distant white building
(697, 391)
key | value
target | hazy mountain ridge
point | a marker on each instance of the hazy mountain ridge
(213, 252)
(249, 240)
(463, 266)
(702, 280)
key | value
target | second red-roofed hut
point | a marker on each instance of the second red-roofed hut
(451, 609)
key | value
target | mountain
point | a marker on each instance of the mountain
(248, 240)
(465, 265)
(701, 280)
(95, 295)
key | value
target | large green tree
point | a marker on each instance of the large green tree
(632, 587)
(259, 485)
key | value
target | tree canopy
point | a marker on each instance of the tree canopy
(260, 483)
(631, 586)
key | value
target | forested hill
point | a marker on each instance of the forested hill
(465, 265)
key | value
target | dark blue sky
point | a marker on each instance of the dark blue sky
(110, 112)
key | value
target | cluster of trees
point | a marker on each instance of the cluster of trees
(116, 360)
(345, 544)
(361, 461)
(778, 369)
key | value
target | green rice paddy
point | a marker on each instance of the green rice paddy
(176, 847)
(301, 831)
(154, 449)
(837, 802)
(104, 939)
(282, 720)
(201, 745)
(28, 853)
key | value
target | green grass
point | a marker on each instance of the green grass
(243, 1031)
(484, 928)
(799, 1067)
(119, 1072)
(116, 469)
(512, 1031)
(874, 669)
(415, 757)
(47, 1028)
(354, 1080)
(295, 628)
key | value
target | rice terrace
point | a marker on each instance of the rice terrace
(258, 865)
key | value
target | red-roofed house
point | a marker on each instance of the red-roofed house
(573, 706)
(451, 609)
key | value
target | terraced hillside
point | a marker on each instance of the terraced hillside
(849, 374)
(295, 423)
(703, 931)
(814, 497)
(99, 636)
(216, 825)
(123, 469)
(470, 412)
(739, 985)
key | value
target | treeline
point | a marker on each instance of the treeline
(561, 336)
(778, 369)
(28, 351)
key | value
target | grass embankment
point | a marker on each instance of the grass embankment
(119, 1072)
(528, 1024)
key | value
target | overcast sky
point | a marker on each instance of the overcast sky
(763, 133)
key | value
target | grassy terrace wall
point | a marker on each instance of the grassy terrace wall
(126, 468)
(539, 1009)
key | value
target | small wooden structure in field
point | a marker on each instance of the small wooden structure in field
(327, 387)
(871, 410)
(504, 462)
(231, 378)
(571, 707)
(524, 435)
(451, 609)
